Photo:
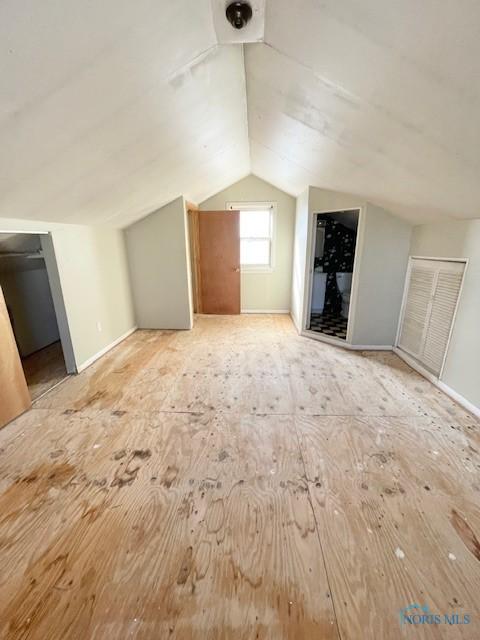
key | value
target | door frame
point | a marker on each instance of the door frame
(310, 258)
(194, 246)
(404, 303)
(48, 250)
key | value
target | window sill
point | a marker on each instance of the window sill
(256, 269)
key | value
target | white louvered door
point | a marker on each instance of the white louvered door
(431, 300)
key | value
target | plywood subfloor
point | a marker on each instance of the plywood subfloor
(239, 482)
(44, 369)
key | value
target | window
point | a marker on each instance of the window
(256, 236)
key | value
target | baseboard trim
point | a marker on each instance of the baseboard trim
(105, 350)
(345, 345)
(466, 404)
(296, 324)
(415, 365)
(279, 311)
(454, 395)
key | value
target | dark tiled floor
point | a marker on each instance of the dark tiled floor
(329, 325)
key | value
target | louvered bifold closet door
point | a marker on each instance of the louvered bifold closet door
(444, 303)
(417, 307)
(432, 296)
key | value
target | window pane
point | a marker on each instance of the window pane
(255, 252)
(255, 224)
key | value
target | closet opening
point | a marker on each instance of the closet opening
(27, 291)
(333, 258)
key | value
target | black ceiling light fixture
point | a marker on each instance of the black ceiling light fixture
(239, 14)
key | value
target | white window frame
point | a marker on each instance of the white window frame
(255, 206)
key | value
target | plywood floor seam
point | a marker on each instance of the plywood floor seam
(239, 482)
(310, 500)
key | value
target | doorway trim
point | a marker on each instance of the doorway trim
(311, 238)
(194, 246)
(54, 280)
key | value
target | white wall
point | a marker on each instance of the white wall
(264, 291)
(326, 200)
(383, 253)
(27, 295)
(159, 264)
(93, 275)
(458, 239)
(383, 242)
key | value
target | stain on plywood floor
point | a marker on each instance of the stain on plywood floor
(239, 481)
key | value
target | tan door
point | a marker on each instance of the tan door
(14, 395)
(219, 244)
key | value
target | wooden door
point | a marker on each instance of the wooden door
(219, 248)
(14, 395)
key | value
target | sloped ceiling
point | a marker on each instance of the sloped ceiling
(371, 97)
(110, 109)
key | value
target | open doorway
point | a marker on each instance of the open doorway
(25, 283)
(335, 240)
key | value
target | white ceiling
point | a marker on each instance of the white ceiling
(371, 97)
(110, 109)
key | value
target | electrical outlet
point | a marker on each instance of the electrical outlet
(99, 326)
